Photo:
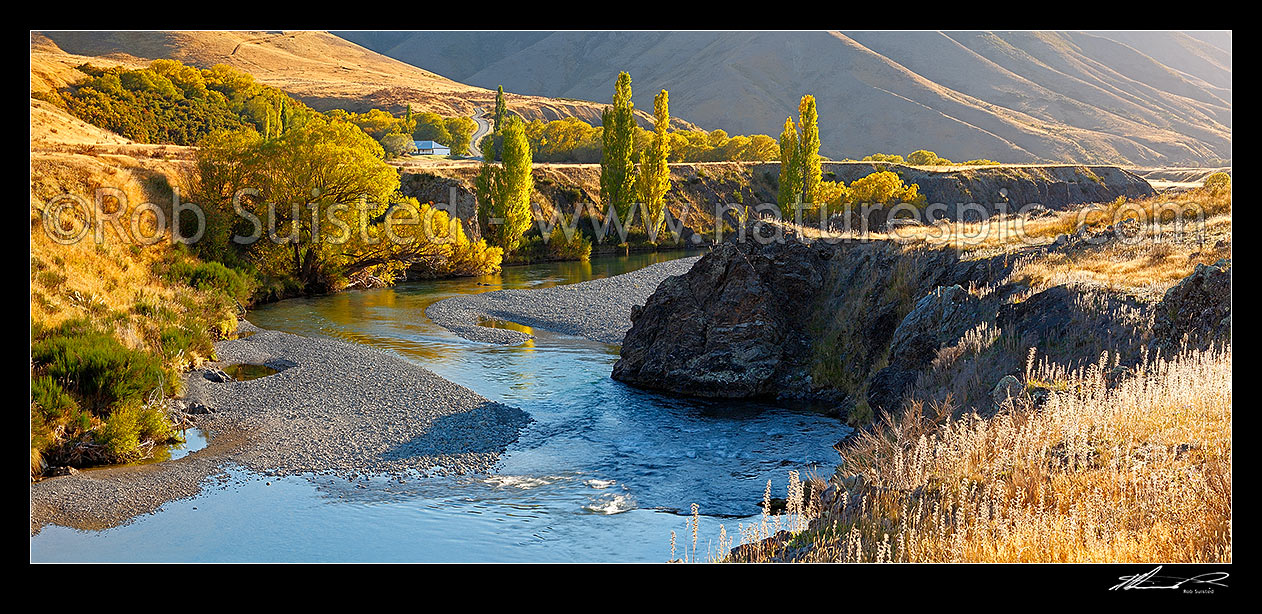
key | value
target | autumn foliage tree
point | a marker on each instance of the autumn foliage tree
(924, 157)
(316, 205)
(501, 109)
(654, 179)
(808, 150)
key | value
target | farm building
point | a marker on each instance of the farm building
(430, 148)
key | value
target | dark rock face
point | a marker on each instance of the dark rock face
(449, 194)
(1199, 307)
(1052, 186)
(726, 328)
(862, 323)
(754, 320)
(939, 318)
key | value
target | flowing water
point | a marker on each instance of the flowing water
(604, 473)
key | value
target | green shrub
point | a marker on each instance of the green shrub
(120, 435)
(94, 365)
(924, 157)
(52, 400)
(880, 157)
(190, 340)
(577, 248)
(130, 425)
(214, 276)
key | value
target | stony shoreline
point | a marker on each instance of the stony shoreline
(333, 409)
(599, 309)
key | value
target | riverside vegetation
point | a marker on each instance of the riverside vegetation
(635, 177)
(115, 322)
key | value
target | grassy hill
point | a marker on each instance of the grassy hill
(318, 68)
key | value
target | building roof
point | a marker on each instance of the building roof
(430, 145)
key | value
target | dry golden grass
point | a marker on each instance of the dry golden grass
(114, 282)
(320, 69)
(1138, 472)
(1156, 250)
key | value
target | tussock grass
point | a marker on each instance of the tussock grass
(1159, 248)
(1138, 471)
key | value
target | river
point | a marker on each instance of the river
(604, 473)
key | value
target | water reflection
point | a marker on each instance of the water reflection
(245, 373)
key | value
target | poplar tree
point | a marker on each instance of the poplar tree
(504, 191)
(493, 143)
(790, 166)
(501, 109)
(654, 178)
(808, 151)
(617, 171)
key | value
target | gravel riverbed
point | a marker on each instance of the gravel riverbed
(599, 309)
(333, 409)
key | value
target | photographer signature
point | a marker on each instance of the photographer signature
(1152, 580)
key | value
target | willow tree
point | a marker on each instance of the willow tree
(790, 166)
(808, 151)
(311, 206)
(654, 179)
(504, 191)
(617, 171)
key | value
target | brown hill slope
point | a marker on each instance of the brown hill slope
(1136, 97)
(320, 69)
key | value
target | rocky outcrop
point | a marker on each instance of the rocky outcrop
(939, 318)
(791, 320)
(1054, 186)
(453, 194)
(705, 187)
(861, 326)
(1197, 309)
(733, 326)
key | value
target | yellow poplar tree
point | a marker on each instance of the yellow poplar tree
(654, 179)
(808, 152)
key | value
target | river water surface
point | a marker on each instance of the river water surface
(604, 473)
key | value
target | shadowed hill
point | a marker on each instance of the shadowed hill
(1131, 97)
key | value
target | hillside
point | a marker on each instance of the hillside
(320, 69)
(1144, 98)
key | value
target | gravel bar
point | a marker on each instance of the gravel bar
(599, 309)
(334, 409)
